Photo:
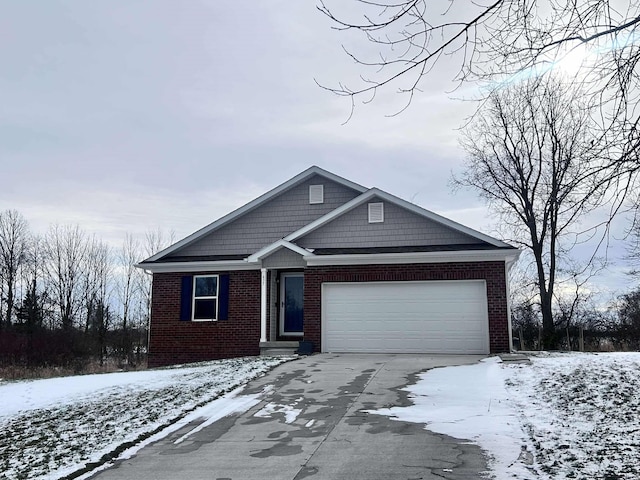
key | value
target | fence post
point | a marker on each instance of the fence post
(540, 337)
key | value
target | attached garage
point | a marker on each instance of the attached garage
(405, 317)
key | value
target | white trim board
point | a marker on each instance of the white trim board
(413, 257)
(175, 267)
(269, 249)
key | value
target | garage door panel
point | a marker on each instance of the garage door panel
(411, 317)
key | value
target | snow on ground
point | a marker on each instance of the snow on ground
(582, 414)
(55, 427)
(469, 402)
(289, 411)
(564, 416)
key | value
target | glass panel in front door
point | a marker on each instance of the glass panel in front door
(293, 304)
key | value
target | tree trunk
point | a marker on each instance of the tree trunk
(549, 337)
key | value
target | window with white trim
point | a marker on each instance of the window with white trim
(205, 298)
(316, 194)
(376, 212)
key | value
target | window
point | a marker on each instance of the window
(376, 212)
(316, 194)
(205, 297)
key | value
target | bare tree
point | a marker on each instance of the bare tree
(65, 249)
(97, 280)
(534, 158)
(129, 287)
(33, 311)
(14, 237)
(96, 277)
(155, 241)
(573, 299)
(488, 38)
(629, 318)
(498, 40)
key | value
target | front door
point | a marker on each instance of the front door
(291, 304)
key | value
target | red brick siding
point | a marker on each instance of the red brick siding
(492, 272)
(174, 341)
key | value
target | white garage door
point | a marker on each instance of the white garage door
(405, 317)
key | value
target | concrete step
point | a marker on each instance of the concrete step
(514, 358)
(278, 348)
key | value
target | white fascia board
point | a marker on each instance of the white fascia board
(269, 249)
(336, 178)
(173, 267)
(414, 257)
(314, 170)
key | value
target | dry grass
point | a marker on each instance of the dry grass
(23, 372)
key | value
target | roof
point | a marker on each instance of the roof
(478, 241)
(261, 200)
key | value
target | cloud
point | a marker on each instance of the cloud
(123, 116)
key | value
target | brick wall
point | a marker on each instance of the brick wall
(492, 272)
(174, 341)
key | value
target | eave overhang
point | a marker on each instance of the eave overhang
(254, 261)
(175, 267)
(498, 255)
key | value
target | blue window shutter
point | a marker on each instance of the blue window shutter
(186, 297)
(223, 298)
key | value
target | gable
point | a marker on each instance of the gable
(270, 221)
(400, 228)
(284, 258)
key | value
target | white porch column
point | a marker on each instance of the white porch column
(263, 305)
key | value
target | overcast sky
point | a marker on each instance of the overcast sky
(129, 115)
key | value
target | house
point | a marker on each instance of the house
(343, 267)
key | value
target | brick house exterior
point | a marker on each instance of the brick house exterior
(258, 276)
(172, 341)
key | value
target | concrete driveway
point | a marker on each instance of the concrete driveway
(312, 423)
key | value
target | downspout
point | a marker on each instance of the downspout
(508, 264)
(150, 273)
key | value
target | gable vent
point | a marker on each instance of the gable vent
(376, 212)
(316, 194)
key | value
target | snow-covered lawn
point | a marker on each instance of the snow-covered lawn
(564, 416)
(56, 427)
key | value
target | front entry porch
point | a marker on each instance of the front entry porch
(281, 311)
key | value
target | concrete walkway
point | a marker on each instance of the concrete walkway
(313, 424)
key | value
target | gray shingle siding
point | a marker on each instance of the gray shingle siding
(284, 258)
(400, 228)
(271, 221)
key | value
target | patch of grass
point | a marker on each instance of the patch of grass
(24, 372)
(80, 434)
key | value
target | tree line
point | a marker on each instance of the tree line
(67, 298)
(581, 324)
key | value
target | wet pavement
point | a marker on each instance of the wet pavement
(312, 422)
